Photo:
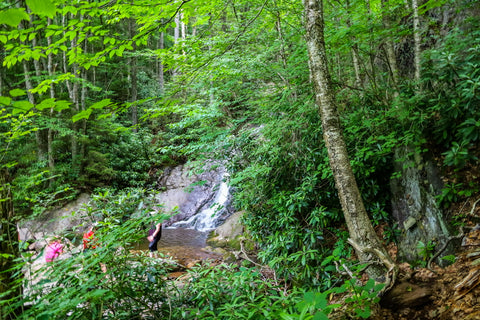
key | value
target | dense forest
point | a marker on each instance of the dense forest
(320, 110)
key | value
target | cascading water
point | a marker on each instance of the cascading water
(207, 218)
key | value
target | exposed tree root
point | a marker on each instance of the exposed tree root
(392, 268)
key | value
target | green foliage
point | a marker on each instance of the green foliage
(450, 258)
(454, 192)
(231, 292)
(362, 298)
(314, 305)
(357, 303)
(76, 286)
(452, 109)
(426, 250)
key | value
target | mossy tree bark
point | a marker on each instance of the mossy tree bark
(367, 245)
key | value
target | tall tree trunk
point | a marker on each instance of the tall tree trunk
(73, 94)
(417, 40)
(176, 37)
(362, 234)
(133, 79)
(41, 149)
(51, 159)
(39, 134)
(390, 48)
(161, 75)
(282, 52)
(8, 247)
(183, 27)
(355, 57)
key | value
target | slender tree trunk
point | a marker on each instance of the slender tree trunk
(51, 159)
(39, 134)
(41, 150)
(133, 80)
(390, 48)
(176, 37)
(362, 234)
(283, 51)
(73, 90)
(417, 40)
(183, 27)
(355, 57)
(8, 247)
(161, 75)
(83, 122)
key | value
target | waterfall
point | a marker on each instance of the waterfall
(207, 217)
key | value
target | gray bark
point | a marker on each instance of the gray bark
(417, 40)
(161, 75)
(51, 160)
(176, 37)
(360, 229)
(133, 80)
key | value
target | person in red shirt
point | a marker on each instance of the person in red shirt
(89, 239)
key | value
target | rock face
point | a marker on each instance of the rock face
(55, 221)
(414, 206)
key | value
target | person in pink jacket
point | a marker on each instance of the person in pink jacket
(53, 250)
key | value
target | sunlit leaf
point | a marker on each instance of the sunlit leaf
(46, 104)
(13, 17)
(22, 106)
(42, 7)
(85, 114)
(17, 92)
(5, 100)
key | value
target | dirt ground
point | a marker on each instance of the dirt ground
(452, 292)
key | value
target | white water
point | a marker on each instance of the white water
(206, 219)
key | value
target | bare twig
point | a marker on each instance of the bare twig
(459, 236)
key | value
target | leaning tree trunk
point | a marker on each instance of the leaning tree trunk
(8, 248)
(362, 235)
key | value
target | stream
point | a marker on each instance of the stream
(185, 245)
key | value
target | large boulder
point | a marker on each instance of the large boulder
(229, 234)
